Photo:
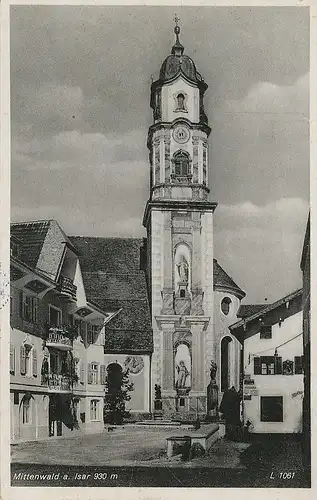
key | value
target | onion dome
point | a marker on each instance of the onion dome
(178, 62)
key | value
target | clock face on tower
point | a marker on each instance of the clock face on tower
(181, 134)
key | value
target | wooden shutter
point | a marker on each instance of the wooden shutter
(89, 374)
(22, 305)
(12, 359)
(82, 373)
(35, 302)
(257, 365)
(278, 366)
(298, 365)
(22, 360)
(83, 331)
(102, 374)
(34, 362)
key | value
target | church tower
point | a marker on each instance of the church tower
(179, 222)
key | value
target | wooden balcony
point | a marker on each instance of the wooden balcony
(57, 338)
(67, 287)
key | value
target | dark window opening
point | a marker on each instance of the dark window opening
(181, 102)
(181, 164)
(271, 409)
(114, 378)
(182, 402)
(225, 306)
(182, 293)
(16, 398)
(266, 332)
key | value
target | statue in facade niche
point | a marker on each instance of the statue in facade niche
(183, 269)
(182, 374)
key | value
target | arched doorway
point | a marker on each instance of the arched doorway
(27, 417)
(114, 404)
(225, 360)
(114, 378)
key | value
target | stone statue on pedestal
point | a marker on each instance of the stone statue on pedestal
(212, 393)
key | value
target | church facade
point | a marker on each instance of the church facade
(190, 310)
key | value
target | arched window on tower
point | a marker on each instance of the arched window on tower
(181, 164)
(180, 102)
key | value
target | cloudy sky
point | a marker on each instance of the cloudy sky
(80, 81)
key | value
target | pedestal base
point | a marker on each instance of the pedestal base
(184, 408)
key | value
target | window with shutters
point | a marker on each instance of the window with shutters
(94, 373)
(267, 365)
(92, 333)
(272, 409)
(28, 361)
(94, 409)
(12, 359)
(266, 332)
(299, 365)
(29, 308)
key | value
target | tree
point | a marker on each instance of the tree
(118, 387)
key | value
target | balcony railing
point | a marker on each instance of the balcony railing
(57, 338)
(67, 287)
(59, 383)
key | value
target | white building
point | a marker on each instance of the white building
(273, 365)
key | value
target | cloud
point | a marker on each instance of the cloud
(260, 144)
(268, 97)
(78, 149)
(261, 246)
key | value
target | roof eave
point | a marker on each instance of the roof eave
(266, 310)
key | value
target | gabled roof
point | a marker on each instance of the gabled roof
(267, 309)
(246, 310)
(222, 281)
(31, 237)
(113, 280)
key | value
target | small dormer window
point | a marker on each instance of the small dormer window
(181, 164)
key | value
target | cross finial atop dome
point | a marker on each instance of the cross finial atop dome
(177, 48)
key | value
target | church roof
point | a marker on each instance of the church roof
(178, 63)
(114, 280)
(246, 310)
(224, 282)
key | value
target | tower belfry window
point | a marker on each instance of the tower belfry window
(181, 102)
(181, 164)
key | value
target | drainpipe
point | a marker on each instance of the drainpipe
(150, 384)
